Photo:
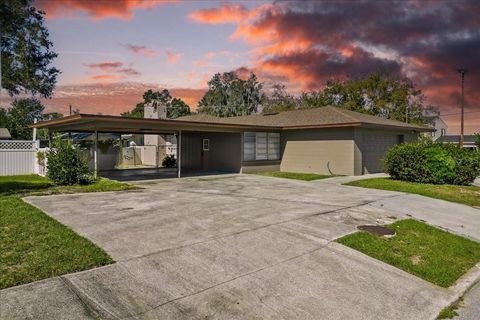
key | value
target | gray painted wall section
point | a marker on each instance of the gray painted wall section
(224, 155)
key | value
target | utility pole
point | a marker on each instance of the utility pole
(462, 72)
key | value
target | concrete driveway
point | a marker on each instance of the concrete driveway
(227, 247)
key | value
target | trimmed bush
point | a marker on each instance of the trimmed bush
(66, 165)
(429, 162)
(169, 161)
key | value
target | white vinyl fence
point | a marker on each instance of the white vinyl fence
(18, 157)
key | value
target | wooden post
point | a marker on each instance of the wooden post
(95, 164)
(179, 154)
(49, 138)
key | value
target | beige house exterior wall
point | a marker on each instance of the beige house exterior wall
(329, 151)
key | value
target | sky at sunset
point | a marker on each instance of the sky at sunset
(110, 52)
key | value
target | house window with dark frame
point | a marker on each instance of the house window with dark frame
(206, 145)
(261, 146)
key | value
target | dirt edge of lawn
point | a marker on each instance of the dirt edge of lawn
(295, 175)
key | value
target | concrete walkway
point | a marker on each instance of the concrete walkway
(227, 247)
(470, 307)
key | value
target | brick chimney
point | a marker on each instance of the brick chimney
(155, 110)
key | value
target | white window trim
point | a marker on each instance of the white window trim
(207, 141)
(267, 155)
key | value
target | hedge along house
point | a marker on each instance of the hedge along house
(324, 140)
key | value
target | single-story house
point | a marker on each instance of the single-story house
(5, 134)
(325, 140)
(468, 140)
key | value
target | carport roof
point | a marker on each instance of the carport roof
(324, 117)
(105, 123)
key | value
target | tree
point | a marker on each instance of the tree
(229, 96)
(280, 100)
(137, 112)
(175, 107)
(26, 50)
(21, 115)
(476, 140)
(379, 94)
(3, 118)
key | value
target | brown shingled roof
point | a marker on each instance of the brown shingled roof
(304, 118)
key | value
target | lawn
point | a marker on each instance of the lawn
(427, 252)
(36, 185)
(469, 195)
(295, 175)
(34, 246)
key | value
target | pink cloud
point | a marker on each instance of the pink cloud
(106, 66)
(141, 50)
(113, 70)
(173, 57)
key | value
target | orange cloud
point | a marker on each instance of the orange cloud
(173, 57)
(141, 50)
(105, 77)
(98, 9)
(228, 13)
(201, 63)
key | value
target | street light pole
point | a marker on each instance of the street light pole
(462, 72)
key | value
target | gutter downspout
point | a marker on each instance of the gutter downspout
(179, 154)
(95, 147)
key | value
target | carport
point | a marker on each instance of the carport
(200, 146)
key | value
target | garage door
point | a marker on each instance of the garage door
(374, 147)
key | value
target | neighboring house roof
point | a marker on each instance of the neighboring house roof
(456, 138)
(5, 134)
(304, 118)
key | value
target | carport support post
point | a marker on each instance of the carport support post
(95, 150)
(179, 154)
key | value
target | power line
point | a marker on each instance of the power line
(454, 114)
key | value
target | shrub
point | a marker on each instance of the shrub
(169, 161)
(66, 165)
(429, 162)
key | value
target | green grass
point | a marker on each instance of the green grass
(34, 246)
(469, 195)
(447, 313)
(294, 175)
(427, 252)
(36, 185)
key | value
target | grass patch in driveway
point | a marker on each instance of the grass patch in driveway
(427, 252)
(295, 175)
(469, 195)
(27, 185)
(34, 246)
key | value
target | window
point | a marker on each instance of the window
(261, 146)
(206, 144)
